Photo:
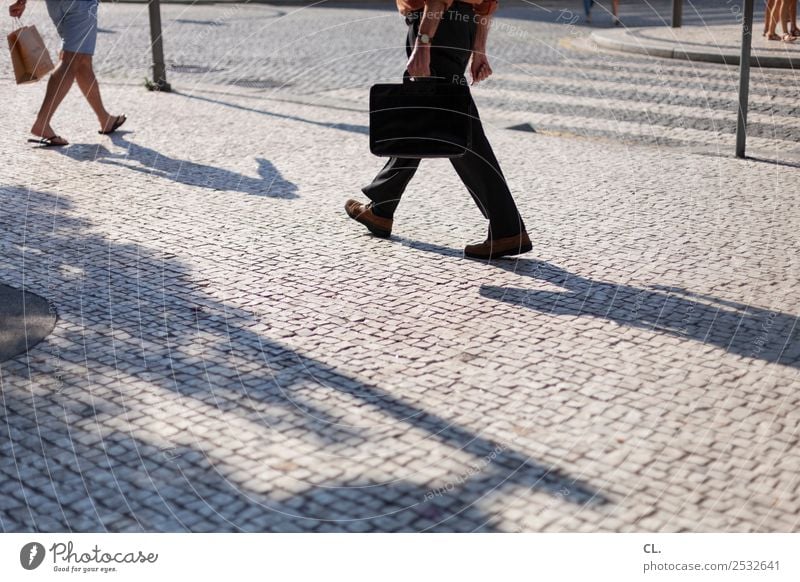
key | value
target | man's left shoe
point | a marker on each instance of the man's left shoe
(377, 225)
(501, 247)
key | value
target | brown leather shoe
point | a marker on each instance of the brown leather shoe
(501, 247)
(362, 213)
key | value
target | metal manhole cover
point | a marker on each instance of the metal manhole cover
(200, 22)
(256, 83)
(193, 69)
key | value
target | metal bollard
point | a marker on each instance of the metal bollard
(744, 78)
(159, 82)
(677, 13)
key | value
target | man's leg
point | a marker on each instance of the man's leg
(390, 183)
(480, 171)
(87, 82)
(478, 168)
(58, 86)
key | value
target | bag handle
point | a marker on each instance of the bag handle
(433, 78)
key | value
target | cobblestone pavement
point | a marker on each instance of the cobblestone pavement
(719, 43)
(232, 353)
(547, 73)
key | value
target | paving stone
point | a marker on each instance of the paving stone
(233, 354)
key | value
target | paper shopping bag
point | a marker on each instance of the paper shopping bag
(29, 55)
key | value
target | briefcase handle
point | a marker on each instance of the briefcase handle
(408, 79)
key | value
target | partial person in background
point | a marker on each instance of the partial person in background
(587, 7)
(785, 12)
(76, 22)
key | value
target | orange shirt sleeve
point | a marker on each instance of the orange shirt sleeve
(486, 7)
(447, 3)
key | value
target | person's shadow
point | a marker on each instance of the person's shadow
(741, 329)
(190, 349)
(138, 158)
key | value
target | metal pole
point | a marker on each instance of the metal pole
(744, 78)
(677, 13)
(159, 68)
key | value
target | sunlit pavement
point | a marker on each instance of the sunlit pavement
(233, 353)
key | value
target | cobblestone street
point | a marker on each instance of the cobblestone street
(232, 353)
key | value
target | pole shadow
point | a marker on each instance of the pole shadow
(270, 183)
(143, 321)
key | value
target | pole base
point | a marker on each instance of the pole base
(161, 86)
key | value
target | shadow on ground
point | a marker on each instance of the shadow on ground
(270, 182)
(352, 128)
(75, 459)
(737, 328)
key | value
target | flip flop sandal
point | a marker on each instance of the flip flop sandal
(788, 38)
(117, 124)
(773, 37)
(54, 141)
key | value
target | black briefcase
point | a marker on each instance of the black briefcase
(420, 119)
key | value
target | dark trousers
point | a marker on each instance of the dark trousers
(478, 168)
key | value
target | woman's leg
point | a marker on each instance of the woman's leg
(768, 15)
(587, 8)
(774, 8)
(58, 85)
(87, 82)
(785, 15)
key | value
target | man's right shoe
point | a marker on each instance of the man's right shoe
(363, 213)
(500, 247)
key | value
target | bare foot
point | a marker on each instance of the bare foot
(113, 123)
(46, 132)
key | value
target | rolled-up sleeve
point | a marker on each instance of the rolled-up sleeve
(486, 7)
(438, 3)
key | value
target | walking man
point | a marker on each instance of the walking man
(443, 35)
(76, 22)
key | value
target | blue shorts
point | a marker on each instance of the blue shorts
(76, 22)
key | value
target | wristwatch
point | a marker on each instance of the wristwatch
(424, 38)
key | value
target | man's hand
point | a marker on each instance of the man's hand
(480, 68)
(419, 64)
(16, 9)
